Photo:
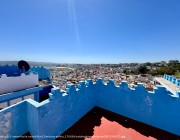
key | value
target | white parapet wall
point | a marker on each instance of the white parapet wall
(11, 84)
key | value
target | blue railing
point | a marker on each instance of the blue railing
(172, 79)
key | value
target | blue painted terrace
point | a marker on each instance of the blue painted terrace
(55, 115)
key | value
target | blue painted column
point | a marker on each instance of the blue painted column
(36, 96)
(178, 82)
(178, 93)
(8, 103)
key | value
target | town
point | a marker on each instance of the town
(133, 73)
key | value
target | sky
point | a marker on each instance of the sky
(90, 31)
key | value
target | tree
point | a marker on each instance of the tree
(173, 63)
(153, 72)
(148, 64)
(142, 70)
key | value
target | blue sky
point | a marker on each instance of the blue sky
(90, 31)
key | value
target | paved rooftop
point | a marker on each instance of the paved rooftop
(170, 86)
(100, 124)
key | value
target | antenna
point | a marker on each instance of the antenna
(23, 66)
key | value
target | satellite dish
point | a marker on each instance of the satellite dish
(23, 66)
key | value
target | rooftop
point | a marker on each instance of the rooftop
(101, 124)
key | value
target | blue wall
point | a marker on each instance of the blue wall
(44, 93)
(43, 73)
(55, 115)
(13, 70)
(155, 108)
(13, 120)
(10, 70)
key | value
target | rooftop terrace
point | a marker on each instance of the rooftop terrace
(54, 116)
(101, 124)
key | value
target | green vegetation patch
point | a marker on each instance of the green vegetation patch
(177, 75)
